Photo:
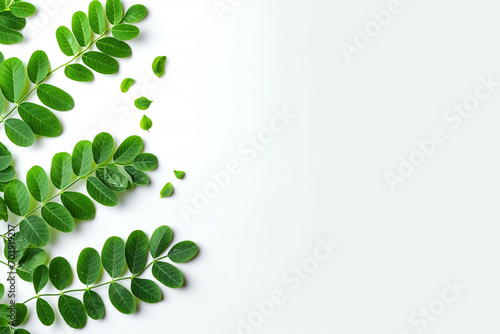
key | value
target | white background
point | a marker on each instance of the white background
(322, 176)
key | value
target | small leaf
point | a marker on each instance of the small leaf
(136, 251)
(88, 266)
(61, 170)
(125, 32)
(121, 298)
(142, 103)
(146, 123)
(35, 230)
(82, 158)
(15, 247)
(9, 36)
(113, 256)
(67, 41)
(100, 62)
(40, 119)
(183, 252)
(7, 174)
(135, 13)
(12, 78)
(146, 162)
(38, 183)
(32, 258)
(72, 311)
(78, 72)
(60, 273)
(40, 277)
(168, 275)
(58, 217)
(126, 84)
(38, 67)
(113, 47)
(159, 66)
(19, 132)
(55, 98)
(146, 290)
(22, 9)
(179, 174)
(112, 178)
(81, 28)
(96, 17)
(160, 240)
(5, 157)
(167, 191)
(45, 312)
(79, 205)
(128, 150)
(114, 11)
(17, 198)
(2, 290)
(10, 21)
(4, 214)
(138, 177)
(101, 193)
(102, 147)
(21, 312)
(93, 305)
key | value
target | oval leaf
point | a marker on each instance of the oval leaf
(38, 183)
(88, 266)
(102, 147)
(22, 9)
(159, 66)
(136, 251)
(142, 103)
(45, 312)
(81, 28)
(160, 240)
(146, 162)
(5, 157)
(93, 305)
(82, 158)
(40, 277)
(100, 62)
(146, 123)
(10, 21)
(138, 177)
(79, 205)
(17, 197)
(96, 17)
(146, 290)
(135, 13)
(114, 11)
(126, 84)
(78, 72)
(128, 150)
(183, 252)
(168, 275)
(67, 41)
(113, 256)
(60, 273)
(112, 178)
(38, 67)
(58, 217)
(19, 132)
(7, 174)
(125, 32)
(72, 311)
(40, 119)
(113, 47)
(61, 170)
(122, 299)
(100, 193)
(35, 230)
(55, 98)
(167, 190)
(12, 77)
(9, 36)
(32, 258)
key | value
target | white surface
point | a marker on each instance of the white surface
(322, 176)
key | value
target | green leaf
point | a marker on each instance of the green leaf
(128, 150)
(58, 217)
(183, 252)
(7, 174)
(61, 170)
(112, 178)
(17, 198)
(40, 277)
(146, 290)
(82, 158)
(72, 311)
(35, 230)
(38, 183)
(2, 290)
(100, 193)
(15, 247)
(32, 258)
(136, 251)
(93, 305)
(135, 13)
(126, 84)
(125, 32)
(179, 174)
(113, 47)
(10, 21)
(79, 205)
(55, 98)
(113, 256)
(67, 41)
(21, 312)
(60, 273)
(38, 67)
(100, 62)
(159, 66)
(45, 312)
(167, 190)
(5, 157)
(40, 119)
(160, 240)
(102, 147)
(78, 72)
(4, 214)
(9, 36)
(146, 123)
(22, 9)
(96, 17)
(81, 28)
(146, 162)
(138, 177)
(19, 132)
(12, 77)
(168, 275)
(122, 299)
(88, 266)
(114, 11)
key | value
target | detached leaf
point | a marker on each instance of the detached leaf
(159, 66)
(35, 230)
(135, 13)
(17, 198)
(67, 41)
(100, 62)
(179, 174)
(168, 275)
(45, 312)
(167, 190)
(38, 67)
(114, 47)
(160, 240)
(61, 170)
(60, 273)
(55, 98)
(146, 162)
(78, 72)
(126, 84)
(19, 132)
(40, 119)
(114, 11)
(142, 103)
(113, 256)
(58, 217)
(183, 252)
(96, 17)
(38, 183)
(81, 28)
(146, 123)
(125, 32)
(88, 266)
(12, 77)
(121, 298)
(72, 311)
(22, 9)
(93, 305)
(128, 150)
(79, 205)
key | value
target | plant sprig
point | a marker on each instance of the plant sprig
(13, 14)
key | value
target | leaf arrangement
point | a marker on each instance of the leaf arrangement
(13, 14)
(115, 257)
(85, 31)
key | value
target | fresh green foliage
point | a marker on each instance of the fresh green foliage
(159, 66)
(136, 13)
(179, 174)
(142, 103)
(126, 84)
(146, 123)
(167, 190)
(13, 19)
(78, 72)
(146, 162)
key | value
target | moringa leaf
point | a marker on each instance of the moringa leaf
(168, 274)
(160, 240)
(5, 157)
(146, 290)
(88, 266)
(79, 205)
(4, 214)
(82, 158)
(121, 298)
(45, 312)
(40, 119)
(113, 256)
(128, 150)
(167, 190)
(146, 162)
(142, 103)
(113, 47)
(55, 98)
(9, 36)
(61, 170)
(19, 132)
(22, 9)
(146, 123)
(159, 66)
(114, 11)
(40, 277)
(21, 312)
(125, 32)
(17, 198)
(183, 252)
(12, 22)
(35, 230)
(15, 247)
(12, 78)
(67, 41)
(101, 193)
(135, 13)
(58, 217)
(94, 306)
(81, 28)
(31, 259)
(38, 67)
(60, 273)
(97, 17)
(38, 183)
(126, 84)
(136, 251)
(179, 174)
(112, 178)
(100, 62)
(72, 311)
(78, 72)
(138, 177)
(7, 174)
